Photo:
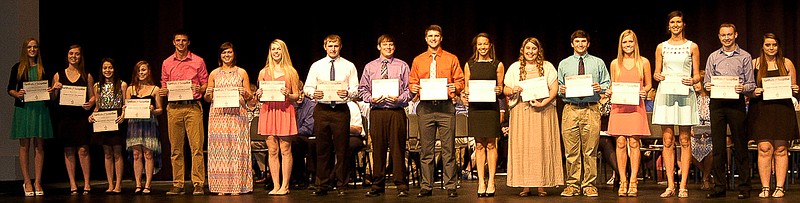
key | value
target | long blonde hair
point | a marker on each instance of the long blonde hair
(285, 64)
(24, 64)
(539, 57)
(637, 58)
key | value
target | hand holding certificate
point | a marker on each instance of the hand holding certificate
(36, 91)
(672, 84)
(433, 89)
(625, 93)
(329, 90)
(271, 90)
(579, 85)
(535, 88)
(72, 95)
(385, 88)
(137, 108)
(724, 87)
(777, 87)
(180, 90)
(482, 91)
(105, 121)
(226, 97)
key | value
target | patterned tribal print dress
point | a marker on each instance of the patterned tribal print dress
(229, 163)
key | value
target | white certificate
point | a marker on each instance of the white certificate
(579, 86)
(672, 83)
(482, 90)
(137, 108)
(776, 87)
(105, 121)
(724, 87)
(36, 90)
(385, 88)
(433, 89)
(329, 89)
(226, 97)
(271, 90)
(535, 88)
(180, 90)
(72, 95)
(625, 93)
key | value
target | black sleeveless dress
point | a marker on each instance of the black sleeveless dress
(771, 119)
(72, 127)
(484, 117)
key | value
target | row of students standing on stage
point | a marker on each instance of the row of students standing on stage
(531, 122)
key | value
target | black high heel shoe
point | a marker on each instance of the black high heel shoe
(490, 194)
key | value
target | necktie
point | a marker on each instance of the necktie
(384, 69)
(333, 71)
(581, 69)
(333, 77)
(433, 65)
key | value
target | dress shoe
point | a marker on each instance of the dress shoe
(716, 194)
(425, 193)
(319, 192)
(452, 193)
(743, 194)
(402, 194)
(374, 193)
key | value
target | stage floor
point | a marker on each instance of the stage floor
(648, 191)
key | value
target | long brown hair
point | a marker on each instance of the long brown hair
(475, 53)
(762, 59)
(115, 80)
(24, 63)
(539, 57)
(81, 67)
(135, 82)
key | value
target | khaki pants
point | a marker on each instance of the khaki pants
(581, 133)
(186, 119)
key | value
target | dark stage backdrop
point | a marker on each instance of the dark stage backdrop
(129, 31)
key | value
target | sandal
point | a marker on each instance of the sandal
(525, 193)
(138, 190)
(669, 192)
(86, 191)
(146, 191)
(683, 193)
(778, 192)
(73, 192)
(633, 189)
(765, 192)
(623, 188)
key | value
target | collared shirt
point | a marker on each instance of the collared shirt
(320, 71)
(739, 63)
(397, 69)
(592, 65)
(447, 66)
(190, 68)
(305, 117)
